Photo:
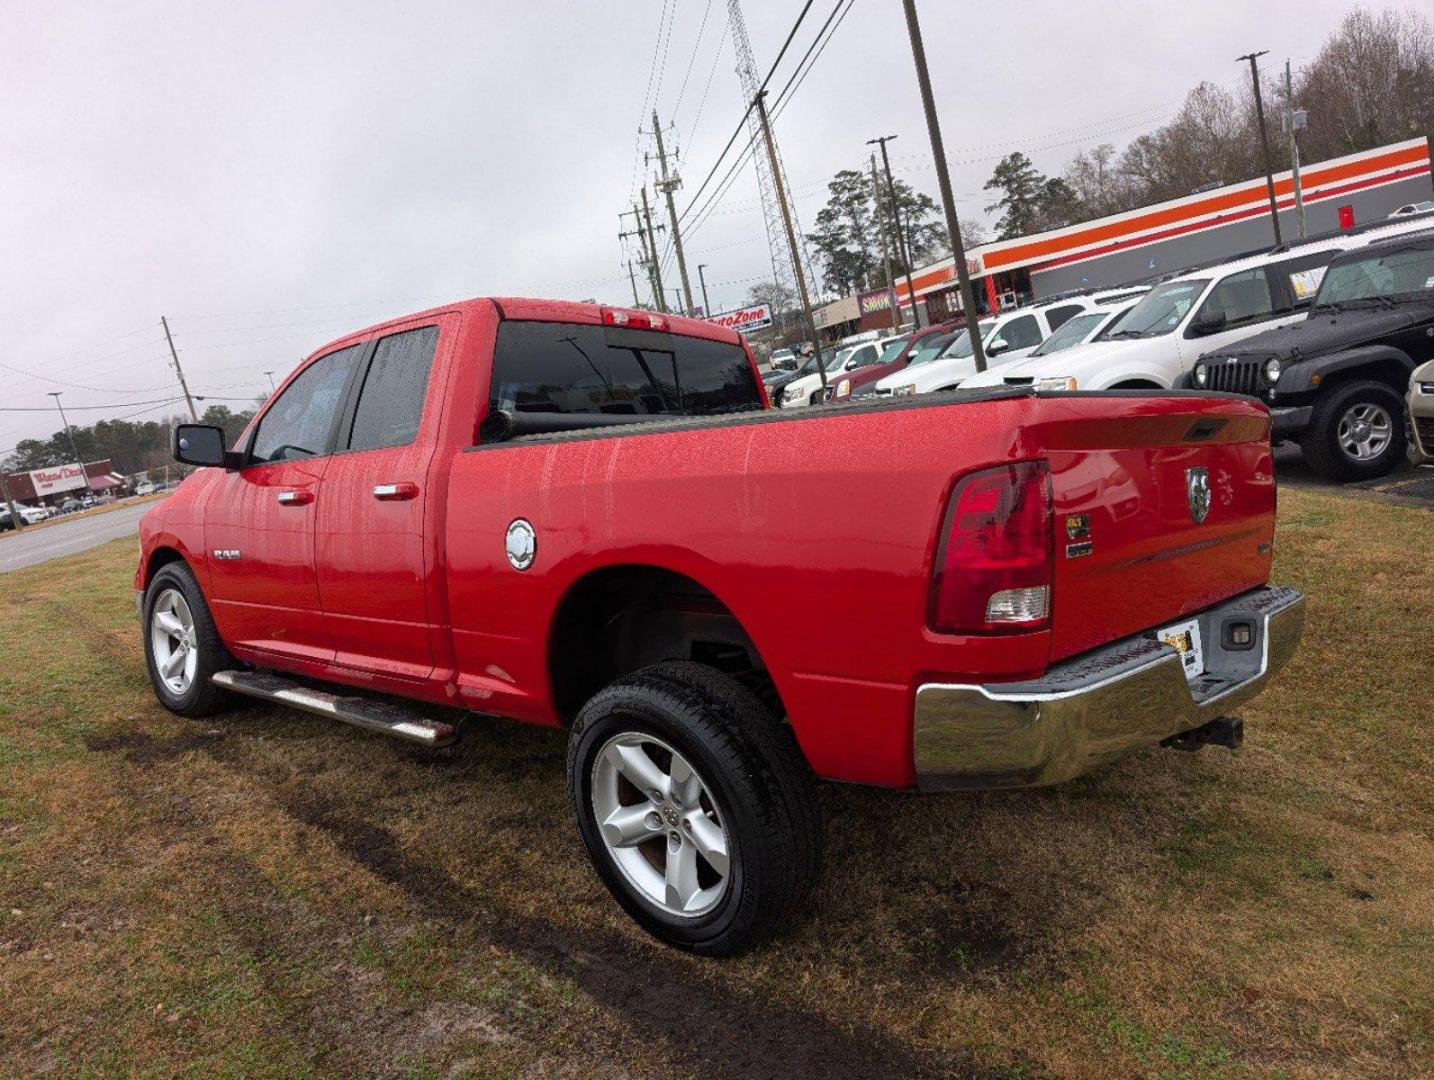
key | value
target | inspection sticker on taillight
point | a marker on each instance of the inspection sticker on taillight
(1184, 638)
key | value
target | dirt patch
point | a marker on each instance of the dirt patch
(141, 748)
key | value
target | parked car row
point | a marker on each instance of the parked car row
(1332, 356)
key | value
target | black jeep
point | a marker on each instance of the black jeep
(1336, 380)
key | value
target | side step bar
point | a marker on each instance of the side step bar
(361, 712)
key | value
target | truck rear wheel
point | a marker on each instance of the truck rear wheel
(1356, 432)
(181, 645)
(695, 805)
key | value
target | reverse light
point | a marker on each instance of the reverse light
(1066, 382)
(994, 567)
(637, 320)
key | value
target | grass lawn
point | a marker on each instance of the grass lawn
(268, 894)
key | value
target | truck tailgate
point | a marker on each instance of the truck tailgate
(1158, 514)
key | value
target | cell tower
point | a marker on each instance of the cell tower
(782, 270)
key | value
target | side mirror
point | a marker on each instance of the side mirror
(202, 444)
(1212, 322)
(996, 346)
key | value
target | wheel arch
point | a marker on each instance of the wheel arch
(1371, 363)
(618, 618)
(160, 557)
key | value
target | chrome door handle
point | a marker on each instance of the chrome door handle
(295, 498)
(394, 492)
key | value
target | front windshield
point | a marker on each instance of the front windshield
(930, 349)
(1071, 332)
(1162, 310)
(962, 345)
(1410, 270)
(892, 350)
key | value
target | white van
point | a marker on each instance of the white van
(1158, 340)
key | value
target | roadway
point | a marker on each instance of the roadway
(37, 545)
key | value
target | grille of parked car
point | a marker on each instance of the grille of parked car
(1424, 425)
(1234, 376)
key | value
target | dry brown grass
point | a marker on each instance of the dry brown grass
(270, 895)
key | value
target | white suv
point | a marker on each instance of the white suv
(1158, 341)
(1005, 338)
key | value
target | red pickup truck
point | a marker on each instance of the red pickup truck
(587, 518)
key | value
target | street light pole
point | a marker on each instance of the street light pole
(706, 307)
(1264, 139)
(903, 242)
(943, 178)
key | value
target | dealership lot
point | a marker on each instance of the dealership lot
(272, 894)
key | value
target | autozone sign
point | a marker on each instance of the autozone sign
(60, 478)
(745, 319)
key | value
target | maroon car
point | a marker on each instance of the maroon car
(894, 357)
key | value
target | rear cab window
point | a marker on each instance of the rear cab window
(543, 367)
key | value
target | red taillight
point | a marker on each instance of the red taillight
(993, 569)
(637, 320)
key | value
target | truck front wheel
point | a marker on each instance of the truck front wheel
(696, 806)
(181, 645)
(1356, 432)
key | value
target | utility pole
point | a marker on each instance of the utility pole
(809, 324)
(903, 241)
(652, 254)
(632, 278)
(15, 517)
(647, 261)
(68, 433)
(272, 387)
(886, 251)
(1264, 140)
(1291, 121)
(667, 185)
(193, 413)
(706, 307)
(943, 178)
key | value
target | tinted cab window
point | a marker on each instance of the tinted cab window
(390, 404)
(567, 368)
(1021, 333)
(298, 423)
(1057, 316)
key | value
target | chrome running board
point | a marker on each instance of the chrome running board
(366, 713)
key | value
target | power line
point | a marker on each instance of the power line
(702, 29)
(716, 56)
(794, 81)
(750, 105)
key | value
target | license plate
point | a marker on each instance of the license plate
(1184, 638)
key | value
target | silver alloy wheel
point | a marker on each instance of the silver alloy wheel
(172, 641)
(1365, 431)
(660, 823)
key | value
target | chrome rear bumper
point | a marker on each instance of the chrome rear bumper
(1099, 706)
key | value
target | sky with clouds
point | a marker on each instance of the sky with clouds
(272, 175)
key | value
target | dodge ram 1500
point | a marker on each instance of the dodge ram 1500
(587, 518)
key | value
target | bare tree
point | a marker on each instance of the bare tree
(1371, 83)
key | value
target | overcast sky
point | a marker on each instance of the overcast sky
(272, 175)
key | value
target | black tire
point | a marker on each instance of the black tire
(201, 697)
(1320, 441)
(762, 787)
